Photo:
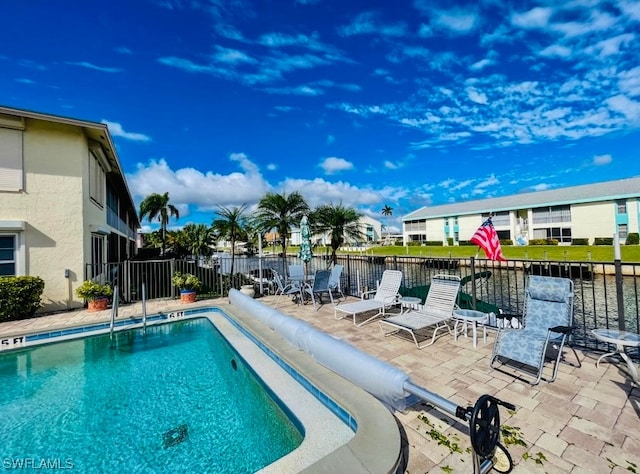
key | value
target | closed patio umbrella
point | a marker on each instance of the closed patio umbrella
(305, 252)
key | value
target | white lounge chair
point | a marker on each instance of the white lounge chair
(436, 312)
(385, 296)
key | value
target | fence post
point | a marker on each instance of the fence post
(618, 266)
(473, 283)
(172, 270)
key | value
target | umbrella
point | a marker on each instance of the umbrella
(305, 253)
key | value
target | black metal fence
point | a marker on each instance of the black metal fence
(602, 299)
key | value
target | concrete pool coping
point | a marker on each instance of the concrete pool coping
(374, 447)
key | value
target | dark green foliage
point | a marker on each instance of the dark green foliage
(506, 242)
(603, 241)
(465, 243)
(633, 238)
(579, 241)
(543, 242)
(450, 241)
(433, 243)
(20, 297)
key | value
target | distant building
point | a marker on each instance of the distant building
(370, 228)
(584, 212)
(65, 208)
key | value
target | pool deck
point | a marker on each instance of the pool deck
(588, 420)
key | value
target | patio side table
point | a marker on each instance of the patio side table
(472, 317)
(620, 339)
(408, 303)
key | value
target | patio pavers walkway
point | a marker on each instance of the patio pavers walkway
(588, 420)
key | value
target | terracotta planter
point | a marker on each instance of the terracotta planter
(187, 296)
(99, 304)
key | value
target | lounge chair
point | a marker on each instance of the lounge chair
(289, 289)
(319, 287)
(385, 296)
(436, 313)
(547, 322)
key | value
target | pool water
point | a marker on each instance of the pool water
(175, 399)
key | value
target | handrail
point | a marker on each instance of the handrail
(114, 311)
(144, 307)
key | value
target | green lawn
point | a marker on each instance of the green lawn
(595, 253)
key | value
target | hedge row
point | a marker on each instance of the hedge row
(20, 297)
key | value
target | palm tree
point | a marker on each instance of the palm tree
(198, 239)
(230, 225)
(387, 212)
(341, 222)
(280, 212)
(157, 205)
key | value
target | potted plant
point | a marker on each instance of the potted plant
(96, 294)
(188, 284)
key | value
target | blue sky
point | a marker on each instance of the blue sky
(368, 103)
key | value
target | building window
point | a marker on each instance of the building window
(97, 254)
(621, 207)
(547, 215)
(622, 231)
(415, 226)
(8, 255)
(97, 180)
(497, 218)
(11, 171)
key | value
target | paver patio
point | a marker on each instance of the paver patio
(588, 420)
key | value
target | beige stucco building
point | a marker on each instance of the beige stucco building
(65, 208)
(578, 212)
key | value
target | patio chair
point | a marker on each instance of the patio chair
(319, 287)
(296, 274)
(436, 313)
(334, 281)
(547, 322)
(385, 296)
(289, 289)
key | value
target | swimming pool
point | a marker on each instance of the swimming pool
(145, 402)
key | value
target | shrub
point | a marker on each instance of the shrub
(538, 242)
(20, 297)
(186, 281)
(580, 241)
(91, 290)
(633, 238)
(433, 243)
(466, 243)
(414, 243)
(506, 242)
(603, 241)
(450, 241)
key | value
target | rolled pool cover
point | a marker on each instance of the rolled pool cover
(383, 381)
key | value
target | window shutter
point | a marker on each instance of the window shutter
(11, 173)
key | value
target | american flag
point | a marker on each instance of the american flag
(487, 239)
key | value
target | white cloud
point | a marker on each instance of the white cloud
(477, 96)
(600, 160)
(205, 191)
(457, 20)
(556, 50)
(334, 165)
(535, 18)
(89, 65)
(116, 130)
(480, 65)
